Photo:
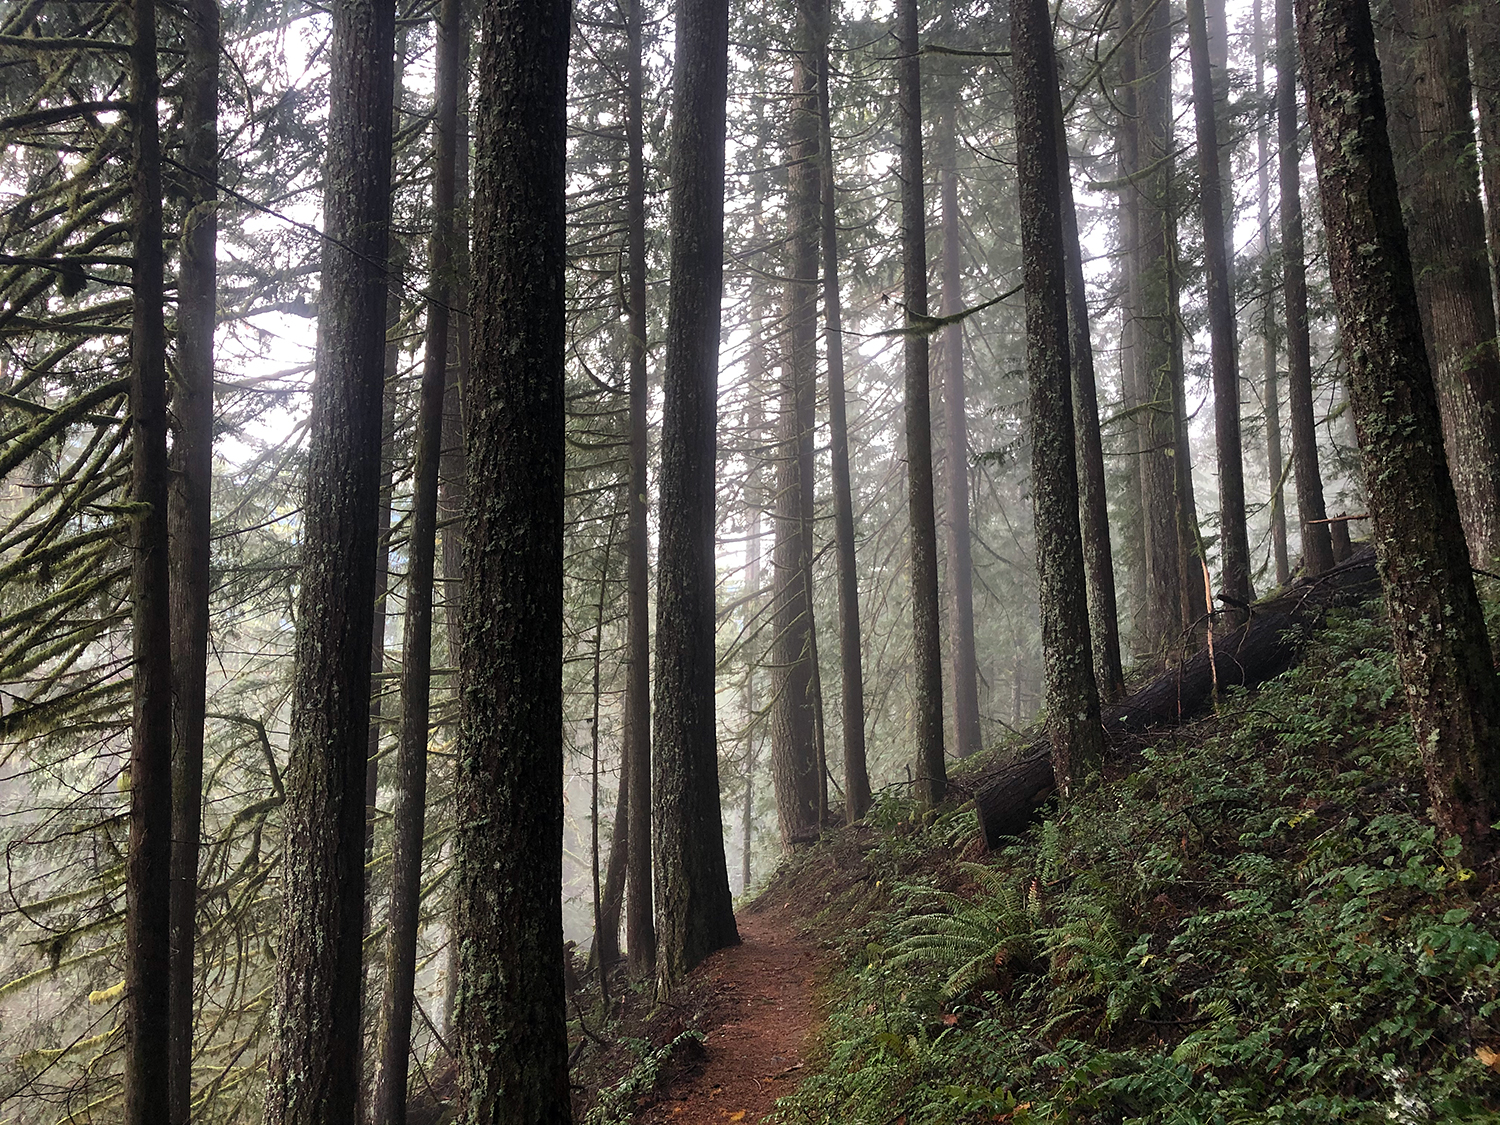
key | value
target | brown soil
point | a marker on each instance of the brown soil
(758, 1019)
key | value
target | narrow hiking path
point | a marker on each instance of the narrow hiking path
(758, 1023)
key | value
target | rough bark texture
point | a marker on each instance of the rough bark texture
(1072, 695)
(1442, 649)
(511, 1032)
(313, 1076)
(856, 773)
(1234, 542)
(1153, 332)
(1008, 794)
(640, 924)
(1093, 499)
(1317, 543)
(926, 659)
(1432, 135)
(408, 816)
(965, 668)
(148, 885)
(694, 909)
(794, 752)
(1483, 18)
(189, 515)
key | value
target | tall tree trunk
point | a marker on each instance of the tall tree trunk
(856, 773)
(1234, 540)
(1191, 563)
(964, 664)
(926, 657)
(511, 1020)
(1072, 695)
(1442, 649)
(1154, 331)
(1432, 135)
(1484, 77)
(752, 583)
(313, 1076)
(694, 907)
(1317, 544)
(148, 884)
(189, 516)
(1269, 373)
(1093, 503)
(640, 925)
(408, 817)
(794, 752)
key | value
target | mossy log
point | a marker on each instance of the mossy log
(1007, 795)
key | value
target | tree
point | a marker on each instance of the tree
(927, 670)
(801, 790)
(148, 886)
(856, 774)
(189, 514)
(511, 1031)
(313, 1073)
(1317, 544)
(408, 818)
(1432, 135)
(1442, 649)
(1234, 543)
(1072, 695)
(694, 911)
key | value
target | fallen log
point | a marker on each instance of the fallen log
(1006, 796)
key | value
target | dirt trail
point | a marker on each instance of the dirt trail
(759, 1020)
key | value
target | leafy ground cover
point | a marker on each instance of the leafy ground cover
(1249, 920)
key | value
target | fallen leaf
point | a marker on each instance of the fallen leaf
(737, 1115)
(1487, 1056)
(950, 1020)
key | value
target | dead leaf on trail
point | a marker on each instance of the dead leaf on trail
(737, 1115)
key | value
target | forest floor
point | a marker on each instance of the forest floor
(761, 1008)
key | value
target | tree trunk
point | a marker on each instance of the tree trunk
(1154, 332)
(1093, 501)
(313, 1077)
(1484, 77)
(794, 752)
(856, 773)
(511, 1032)
(927, 669)
(408, 817)
(1317, 543)
(1234, 541)
(1442, 649)
(1268, 315)
(189, 516)
(640, 925)
(1191, 564)
(694, 907)
(1432, 135)
(148, 884)
(965, 679)
(1072, 695)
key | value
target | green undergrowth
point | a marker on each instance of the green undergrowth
(1255, 922)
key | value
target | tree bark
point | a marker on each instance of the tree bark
(1234, 540)
(1317, 543)
(148, 884)
(965, 670)
(1442, 649)
(313, 1077)
(189, 516)
(511, 1028)
(1484, 77)
(1093, 501)
(1432, 135)
(794, 753)
(1269, 373)
(1154, 331)
(927, 670)
(694, 907)
(1072, 695)
(640, 926)
(856, 773)
(408, 816)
